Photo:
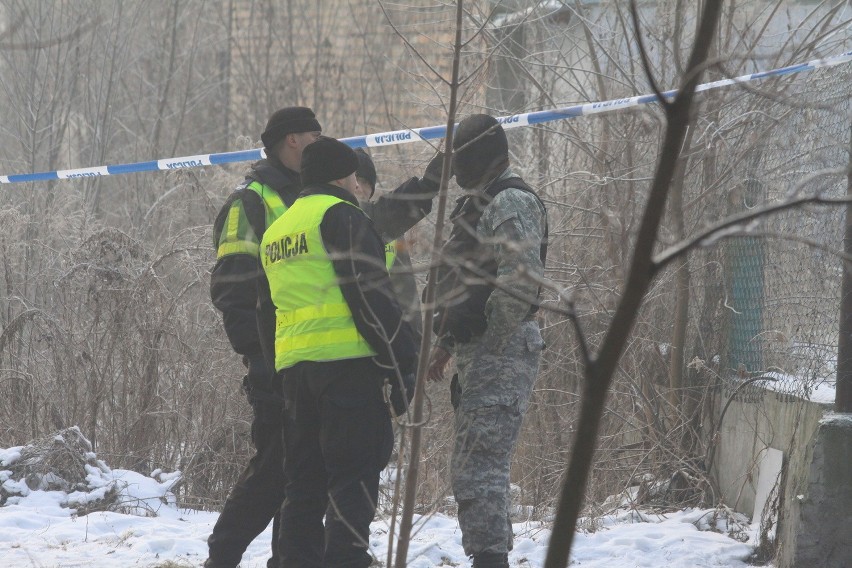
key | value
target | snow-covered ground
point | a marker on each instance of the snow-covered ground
(38, 529)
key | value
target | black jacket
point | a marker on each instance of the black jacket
(233, 282)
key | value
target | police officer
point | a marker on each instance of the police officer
(339, 333)
(271, 186)
(399, 267)
(396, 250)
(487, 295)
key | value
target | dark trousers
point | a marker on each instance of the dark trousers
(337, 437)
(256, 497)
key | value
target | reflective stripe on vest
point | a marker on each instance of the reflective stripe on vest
(272, 202)
(390, 254)
(313, 322)
(238, 235)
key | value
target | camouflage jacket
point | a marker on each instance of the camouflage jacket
(512, 228)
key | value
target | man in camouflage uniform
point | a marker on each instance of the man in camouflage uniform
(270, 187)
(487, 295)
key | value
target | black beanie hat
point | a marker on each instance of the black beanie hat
(366, 169)
(289, 120)
(327, 160)
(485, 155)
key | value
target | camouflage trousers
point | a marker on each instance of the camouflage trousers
(495, 394)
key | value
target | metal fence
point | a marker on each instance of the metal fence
(782, 286)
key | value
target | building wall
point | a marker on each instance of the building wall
(343, 59)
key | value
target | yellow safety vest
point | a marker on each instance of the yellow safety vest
(313, 322)
(272, 202)
(238, 235)
(390, 254)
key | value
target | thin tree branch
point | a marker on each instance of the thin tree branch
(406, 521)
(408, 44)
(646, 63)
(665, 257)
(31, 45)
(599, 373)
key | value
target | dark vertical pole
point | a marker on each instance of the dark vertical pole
(406, 523)
(226, 116)
(843, 396)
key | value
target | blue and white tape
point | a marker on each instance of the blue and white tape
(420, 134)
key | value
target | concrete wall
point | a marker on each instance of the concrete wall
(773, 420)
(818, 510)
(814, 527)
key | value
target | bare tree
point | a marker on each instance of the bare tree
(105, 319)
(426, 343)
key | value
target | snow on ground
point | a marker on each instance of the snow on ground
(40, 526)
(36, 531)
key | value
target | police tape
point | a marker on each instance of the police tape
(420, 134)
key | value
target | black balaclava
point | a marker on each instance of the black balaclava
(485, 157)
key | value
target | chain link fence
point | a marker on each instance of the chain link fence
(782, 285)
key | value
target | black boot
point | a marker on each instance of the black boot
(491, 560)
(209, 563)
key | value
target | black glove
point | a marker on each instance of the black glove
(434, 169)
(455, 391)
(258, 377)
(401, 394)
(259, 386)
(462, 324)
